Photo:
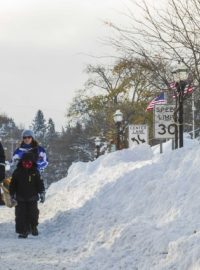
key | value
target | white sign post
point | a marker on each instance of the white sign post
(138, 134)
(164, 126)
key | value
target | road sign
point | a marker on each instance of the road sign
(138, 134)
(164, 126)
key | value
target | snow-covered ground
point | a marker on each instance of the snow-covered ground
(131, 209)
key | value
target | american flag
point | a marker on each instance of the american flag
(157, 100)
(172, 85)
(188, 89)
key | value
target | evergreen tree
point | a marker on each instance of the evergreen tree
(50, 130)
(10, 135)
(39, 126)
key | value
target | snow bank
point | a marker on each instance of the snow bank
(131, 209)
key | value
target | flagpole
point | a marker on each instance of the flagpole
(193, 115)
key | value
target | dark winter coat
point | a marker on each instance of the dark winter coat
(2, 163)
(26, 184)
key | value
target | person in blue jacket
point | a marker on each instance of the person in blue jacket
(29, 144)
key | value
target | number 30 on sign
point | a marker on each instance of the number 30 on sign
(164, 126)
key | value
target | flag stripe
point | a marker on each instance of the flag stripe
(157, 100)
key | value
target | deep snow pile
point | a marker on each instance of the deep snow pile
(131, 209)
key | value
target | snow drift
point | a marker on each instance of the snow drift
(131, 209)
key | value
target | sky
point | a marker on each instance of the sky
(141, 213)
(45, 46)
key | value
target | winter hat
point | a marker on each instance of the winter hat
(27, 160)
(28, 132)
(28, 156)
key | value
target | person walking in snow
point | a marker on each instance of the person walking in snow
(2, 170)
(26, 188)
(29, 144)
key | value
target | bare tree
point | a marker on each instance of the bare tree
(107, 82)
(172, 34)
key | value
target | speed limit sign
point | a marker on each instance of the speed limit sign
(164, 126)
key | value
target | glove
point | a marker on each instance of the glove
(42, 197)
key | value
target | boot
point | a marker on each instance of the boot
(23, 235)
(34, 230)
